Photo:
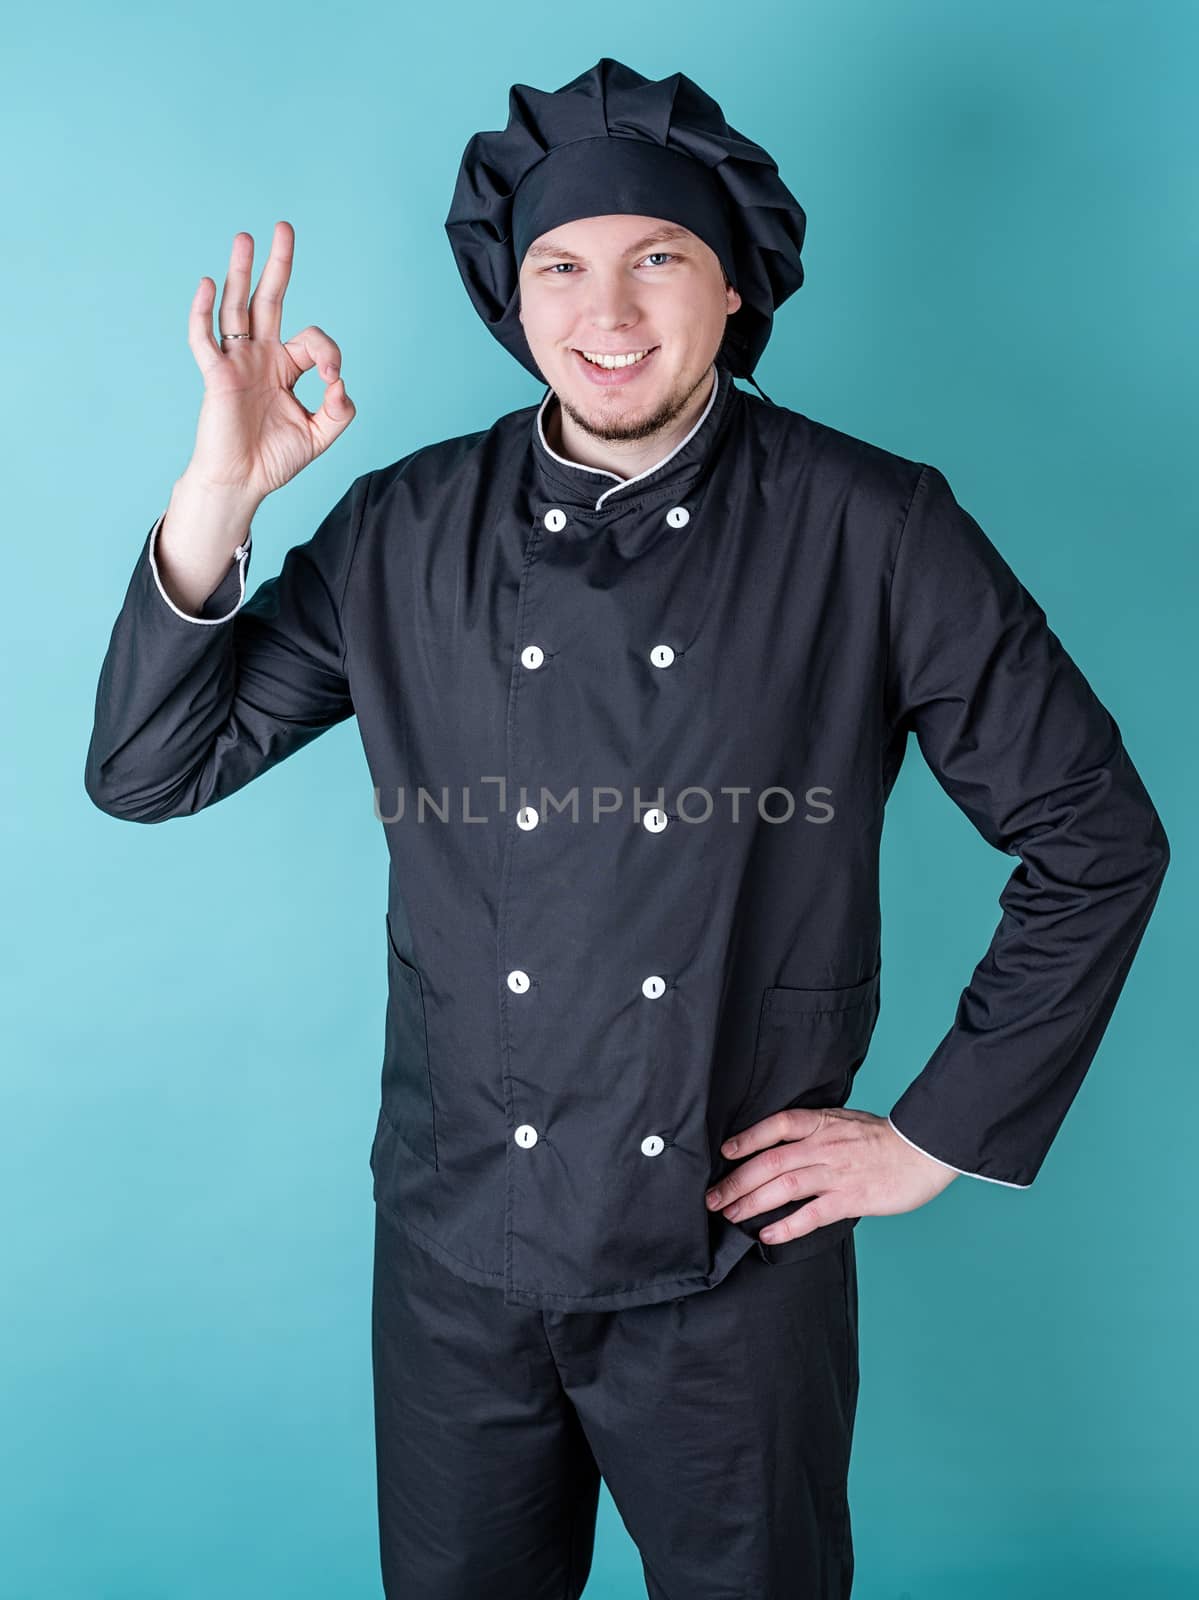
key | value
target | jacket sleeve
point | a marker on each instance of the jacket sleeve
(191, 708)
(1017, 738)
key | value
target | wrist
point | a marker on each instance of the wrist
(229, 502)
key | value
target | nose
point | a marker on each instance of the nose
(612, 302)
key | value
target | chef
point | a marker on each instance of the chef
(635, 669)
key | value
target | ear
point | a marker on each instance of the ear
(732, 300)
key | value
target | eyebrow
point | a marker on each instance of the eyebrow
(659, 236)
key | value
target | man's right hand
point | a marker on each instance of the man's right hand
(253, 434)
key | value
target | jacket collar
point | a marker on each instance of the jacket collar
(595, 488)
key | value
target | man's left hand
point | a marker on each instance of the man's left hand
(852, 1162)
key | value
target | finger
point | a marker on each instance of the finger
(199, 327)
(314, 348)
(796, 1123)
(266, 305)
(800, 1183)
(234, 314)
(336, 413)
(816, 1214)
(762, 1169)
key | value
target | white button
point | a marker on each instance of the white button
(518, 981)
(555, 520)
(532, 655)
(653, 987)
(653, 1146)
(526, 1136)
(527, 817)
(661, 655)
(678, 516)
(655, 819)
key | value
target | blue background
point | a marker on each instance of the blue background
(1001, 270)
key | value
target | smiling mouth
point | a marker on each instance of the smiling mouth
(618, 362)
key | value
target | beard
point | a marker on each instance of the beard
(632, 427)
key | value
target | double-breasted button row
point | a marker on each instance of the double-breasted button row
(532, 656)
(555, 518)
(652, 987)
(662, 655)
(526, 1137)
(654, 820)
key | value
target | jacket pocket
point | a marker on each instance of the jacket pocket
(809, 1045)
(407, 1087)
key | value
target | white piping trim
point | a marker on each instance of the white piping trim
(962, 1170)
(622, 483)
(240, 554)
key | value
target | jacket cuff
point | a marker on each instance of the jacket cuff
(226, 599)
(1005, 1182)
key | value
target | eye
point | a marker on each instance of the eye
(556, 269)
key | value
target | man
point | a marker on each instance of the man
(678, 638)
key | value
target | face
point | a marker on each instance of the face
(619, 284)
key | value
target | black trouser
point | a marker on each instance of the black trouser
(721, 1423)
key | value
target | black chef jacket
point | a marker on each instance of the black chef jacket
(720, 659)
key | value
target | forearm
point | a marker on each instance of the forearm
(190, 707)
(202, 530)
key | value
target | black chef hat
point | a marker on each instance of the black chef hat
(612, 141)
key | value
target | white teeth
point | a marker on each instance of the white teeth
(628, 360)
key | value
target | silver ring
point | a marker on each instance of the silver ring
(237, 335)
